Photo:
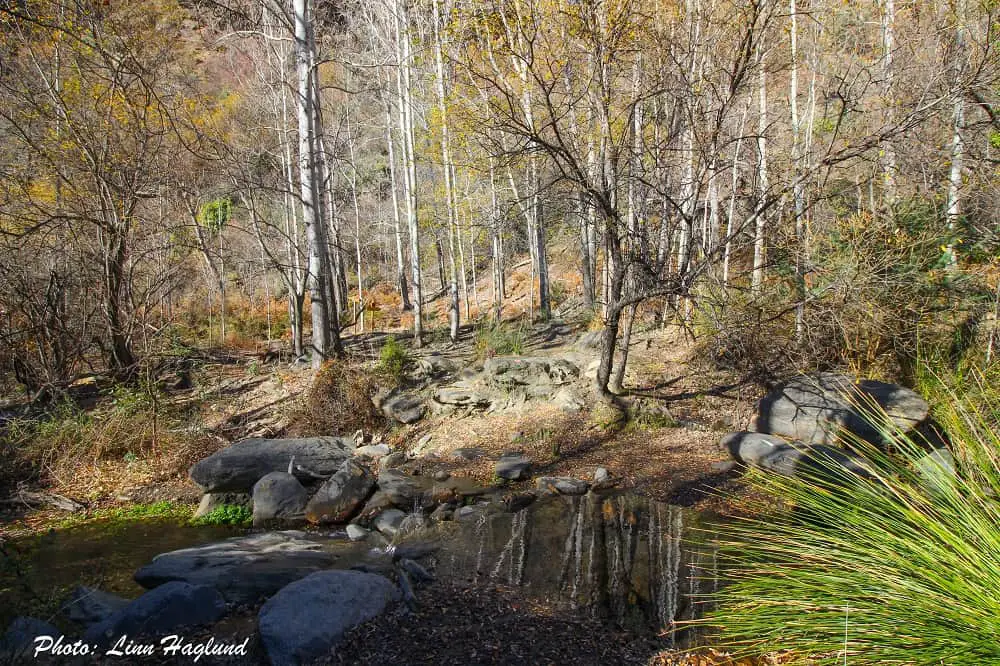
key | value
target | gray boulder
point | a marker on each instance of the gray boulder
(535, 375)
(562, 485)
(405, 408)
(238, 467)
(88, 605)
(357, 533)
(813, 461)
(373, 451)
(212, 501)
(402, 489)
(307, 619)
(392, 460)
(513, 467)
(278, 499)
(819, 409)
(17, 645)
(244, 569)
(937, 469)
(341, 495)
(460, 397)
(389, 522)
(161, 611)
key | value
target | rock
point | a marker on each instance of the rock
(442, 475)
(307, 619)
(568, 400)
(467, 454)
(602, 475)
(403, 491)
(563, 485)
(18, 643)
(238, 467)
(442, 513)
(514, 502)
(815, 461)
(212, 501)
(816, 410)
(161, 611)
(389, 521)
(278, 499)
(392, 461)
(356, 532)
(244, 569)
(723, 467)
(471, 512)
(460, 397)
(405, 408)
(88, 605)
(373, 451)
(937, 469)
(422, 444)
(342, 495)
(513, 467)
(536, 375)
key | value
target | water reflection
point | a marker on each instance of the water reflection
(638, 563)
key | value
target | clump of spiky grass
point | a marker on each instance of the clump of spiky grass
(899, 567)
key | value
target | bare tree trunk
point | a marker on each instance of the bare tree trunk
(403, 47)
(760, 216)
(307, 180)
(889, 166)
(449, 186)
(954, 210)
(401, 285)
(798, 188)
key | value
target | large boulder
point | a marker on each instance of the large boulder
(812, 461)
(462, 397)
(535, 375)
(244, 569)
(513, 467)
(278, 499)
(17, 645)
(161, 611)
(820, 409)
(307, 619)
(342, 495)
(87, 605)
(405, 408)
(238, 467)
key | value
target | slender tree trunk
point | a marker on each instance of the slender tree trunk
(760, 215)
(409, 160)
(401, 285)
(307, 180)
(449, 186)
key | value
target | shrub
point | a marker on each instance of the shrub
(499, 339)
(339, 402)
(393, 358)
(902, 568)
(226, 514)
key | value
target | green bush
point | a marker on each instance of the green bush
(226, 514)
(393, 358)
(902, 568)
(499, 339)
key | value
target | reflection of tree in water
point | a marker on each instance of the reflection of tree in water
(623, 558)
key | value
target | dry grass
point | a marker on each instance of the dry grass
(339, 402)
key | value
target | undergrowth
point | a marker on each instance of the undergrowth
(499, 339)
(902, 567)
(339, 402)
(226, 514)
